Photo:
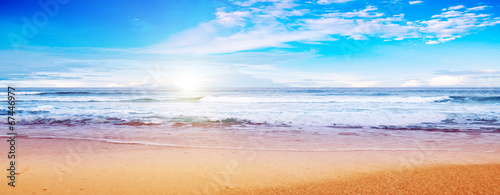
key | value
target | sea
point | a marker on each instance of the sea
(315, 119)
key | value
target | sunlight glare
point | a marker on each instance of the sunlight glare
(188, 82)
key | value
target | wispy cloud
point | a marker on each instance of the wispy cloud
(326, 2)
(415, 2)
(261, 43)
(257, 24)
(482, 7)
(453, 24)
(456, 7)
(469, 72)
(431, 42)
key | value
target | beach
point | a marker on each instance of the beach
(65, 166)
(254, 141)
(250, 97)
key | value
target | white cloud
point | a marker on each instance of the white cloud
(415, 2)
(478, 8)
(442, 40)
(368, 12)
(448, 14)
(251, 2)
(446, 80)
(453, 24)
(274, 23)
(360, 29)
(455, 7)
(326, 2)
(259, 37)
(411, 83)
(477, 77)
(490, 71)
(231, 18)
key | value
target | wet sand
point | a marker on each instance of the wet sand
(61, 166)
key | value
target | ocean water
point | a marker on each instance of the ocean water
(296, 118)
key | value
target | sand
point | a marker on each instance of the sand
(61, 166)
(439, 179)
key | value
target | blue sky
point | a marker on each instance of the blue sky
(250, 43)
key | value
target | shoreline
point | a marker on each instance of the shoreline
(139, 143)
(60, 166)
(273, 139)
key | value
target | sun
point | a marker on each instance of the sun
(187, 81)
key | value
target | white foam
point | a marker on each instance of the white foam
(322, 99)
(234, 148)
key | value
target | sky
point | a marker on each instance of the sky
(191, 44)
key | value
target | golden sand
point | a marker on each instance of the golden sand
(58, 166)
(439, 179)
